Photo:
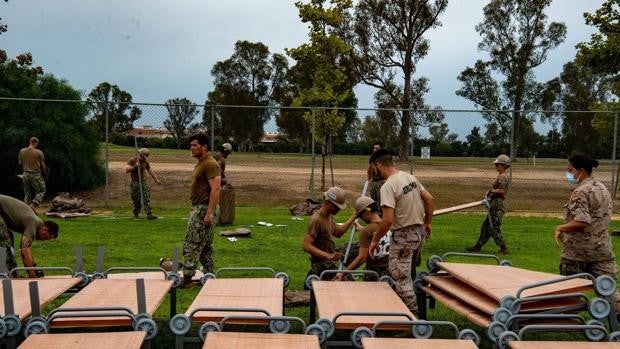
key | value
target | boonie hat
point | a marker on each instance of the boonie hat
(336, 196)
(361, 204)
(502, 159)
(144, 151)
(227, 147)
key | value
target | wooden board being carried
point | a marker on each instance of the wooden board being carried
(49, 289)
(242, 293)
(498, 281)
(407, 343)
(241, 340)
(333, 298)
(467, 294)
(562, 345)
(113, 293)
(129, 340)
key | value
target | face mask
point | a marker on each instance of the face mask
(571, 178)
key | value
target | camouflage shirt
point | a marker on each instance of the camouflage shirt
(589, 203)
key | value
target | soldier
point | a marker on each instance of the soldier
(375, 181)
(225, 151)
(204, 194)
(408, 211)
(319, 238)
(16, 216)
(584, 235)
(32, 161)
(226, 207)
(366, 209)
(491, 227)
(139, 187)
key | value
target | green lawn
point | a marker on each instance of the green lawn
(130, 242)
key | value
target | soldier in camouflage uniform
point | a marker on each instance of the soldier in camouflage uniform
(408, 211)
(139, 187)
(587, 246)
(204, 194)
(32, 161)
(319, 238)
(491, 227)
(375, 181)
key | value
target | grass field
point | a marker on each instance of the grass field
(130, 242)
(267, 184)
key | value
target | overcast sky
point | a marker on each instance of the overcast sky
(157, 50)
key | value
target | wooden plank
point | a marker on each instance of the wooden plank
(243, 293)
(113, 293)
(240, 340)
(498, 281)
(407, 343)
(465, 310)
(562, 345)
(358, 296)
(49, 289)
(104, 340)
(486, 304)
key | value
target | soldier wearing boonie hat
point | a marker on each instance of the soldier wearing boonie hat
(366, 209)
(319, 239)
(491, 227)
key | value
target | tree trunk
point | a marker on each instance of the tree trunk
(323, 168)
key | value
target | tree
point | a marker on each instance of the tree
(70, 144)
(475, 142)
(250, 77)
(388, 41)
(516, 36)
(181, 113)
(601, 52)
(121, 114)
(577, 88)
(322, 72)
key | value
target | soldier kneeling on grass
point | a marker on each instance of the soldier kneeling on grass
(319, 238)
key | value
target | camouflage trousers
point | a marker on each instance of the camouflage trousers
(198, 244)
(375, 194)
(381, 270)
(406, 243)
(6, 241)
(135, 197)
(598, 268)
(491, 227)
(316, 268)
(34, 187)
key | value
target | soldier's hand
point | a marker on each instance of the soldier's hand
(208, 219)
(39, 273)
(429, 230)
(372, 248)
(339, 277)
(357, 226)
(334, 256)
(558, 238)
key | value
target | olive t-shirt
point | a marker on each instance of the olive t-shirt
(321, 228)
(205, 169)
(31, 159)
(19, 218)
(144, 165)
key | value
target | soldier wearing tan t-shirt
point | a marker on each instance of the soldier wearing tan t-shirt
(408, 211)
(204, 195)
(33, 165)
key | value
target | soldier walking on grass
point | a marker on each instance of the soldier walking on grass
(491, 227)
(139, 187)
(204, 194)
(408, 211)
(32, 161)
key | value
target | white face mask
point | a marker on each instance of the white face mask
(570, 177)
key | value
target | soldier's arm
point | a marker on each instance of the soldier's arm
(429, 207)
(340, 230)
(214, 197)
(43, 166)
(27, 257)
(153, 175)
(130, 166)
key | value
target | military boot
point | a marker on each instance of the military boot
(475, 248)
(150, 217)
(503, 250)
(187, 282)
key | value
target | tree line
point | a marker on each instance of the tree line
(373, 42)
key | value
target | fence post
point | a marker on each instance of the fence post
(107, 155)
(614, 174)
(313, 154)
(212, 127)
(412, 130)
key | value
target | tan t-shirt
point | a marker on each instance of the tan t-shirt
(205, 169)
(31, 159)
(589, 203)
(365, 237)
(321, 228)
(401, 191)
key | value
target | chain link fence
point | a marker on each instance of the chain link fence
(276, 164)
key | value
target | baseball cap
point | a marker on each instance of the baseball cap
(361, 204)
(336, 196)
(227, 147)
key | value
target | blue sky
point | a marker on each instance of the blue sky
(158, 49)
